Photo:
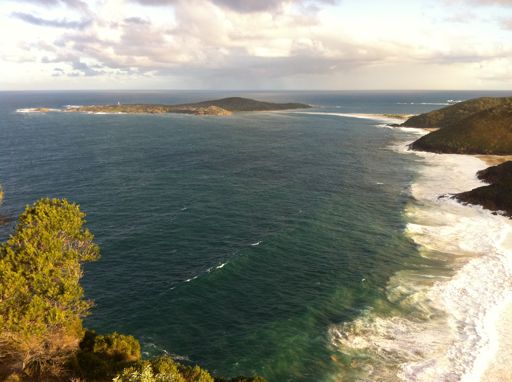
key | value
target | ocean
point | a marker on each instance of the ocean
(301, 245)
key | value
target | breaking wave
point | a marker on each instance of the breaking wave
(442, 326)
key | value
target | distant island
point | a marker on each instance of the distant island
(477, 126)
(220, 107)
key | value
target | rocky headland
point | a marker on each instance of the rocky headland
(479, 126)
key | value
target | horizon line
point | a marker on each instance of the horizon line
(252, 90)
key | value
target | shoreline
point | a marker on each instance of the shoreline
(374, 117)
(445, 327)
(490, 261)
(493, 322)
(478, 313)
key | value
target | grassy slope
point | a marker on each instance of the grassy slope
(453, 114)
(486, 132)
(498, 195)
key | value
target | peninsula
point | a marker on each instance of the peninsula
(220, 107)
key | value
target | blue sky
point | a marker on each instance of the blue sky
(255, 44)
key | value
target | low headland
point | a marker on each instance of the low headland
(481, 126)
(219, 107)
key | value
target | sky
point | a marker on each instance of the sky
(256, 44)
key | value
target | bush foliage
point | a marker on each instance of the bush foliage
(41, 305)
(163, 369)
(103, 356)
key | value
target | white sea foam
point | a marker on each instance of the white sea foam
(449, 330)
(220, 266)
(36, 110)
(27, 110)
(426, 103)
(374, 117)
(209, 270)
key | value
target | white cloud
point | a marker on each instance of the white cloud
(231, 43)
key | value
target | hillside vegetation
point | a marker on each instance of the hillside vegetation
(454, 114)
(486, 132)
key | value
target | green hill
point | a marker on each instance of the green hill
(498, 195)
(246, 104)
(485, 132)
(454, 114)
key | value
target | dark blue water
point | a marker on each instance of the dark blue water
(233, 242)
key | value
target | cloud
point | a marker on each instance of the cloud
(205, 41)
(506, 24)
(244, 6)
(68, 3)
(493, 2)
(230, 42)
(501, 3)
(85, 69)
(31, 19)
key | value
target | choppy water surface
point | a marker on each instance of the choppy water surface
(296, 246)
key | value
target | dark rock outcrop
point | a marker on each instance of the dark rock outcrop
(497, 196)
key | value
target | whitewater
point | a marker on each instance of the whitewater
(446, 327)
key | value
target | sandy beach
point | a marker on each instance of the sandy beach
(499, 370)
(493, 160)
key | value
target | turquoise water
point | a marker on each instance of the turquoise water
(232, 242)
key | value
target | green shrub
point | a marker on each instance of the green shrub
(102, 356)
(163, 369)
(42, 305)
(196, 374)
(115, 346)
(146, 372)
(241, 379)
